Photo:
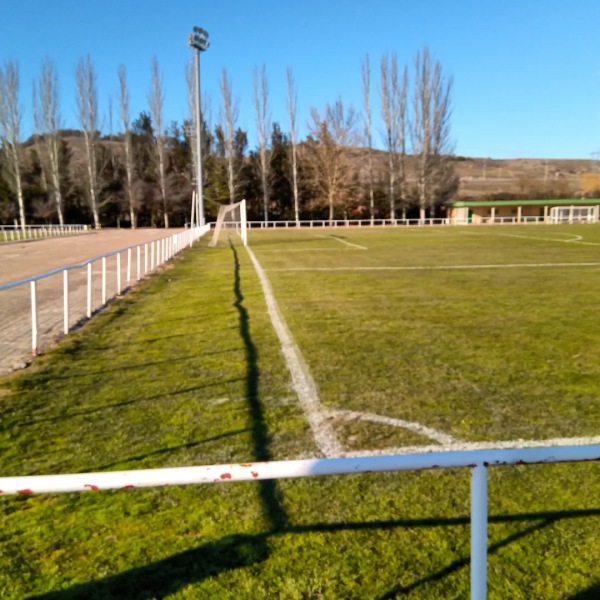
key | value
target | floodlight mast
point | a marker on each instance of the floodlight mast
(198, 40)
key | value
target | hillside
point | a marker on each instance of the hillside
(478, 176)
(487, 176)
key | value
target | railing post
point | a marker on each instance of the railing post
(146, 258)
(89, 291)
(479, 519)
(152, 255)
(66, 301)
(34, 320)
(103, 280)
(128, 265)
(118, 273)
(139, 267)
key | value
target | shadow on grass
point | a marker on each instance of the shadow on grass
(167, 576)
(168, 450)
(591, 593)
(95, 409)
(271, 505)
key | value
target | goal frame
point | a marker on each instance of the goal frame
(574, 214)
(240, 224)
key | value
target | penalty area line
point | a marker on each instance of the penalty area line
(446, 267)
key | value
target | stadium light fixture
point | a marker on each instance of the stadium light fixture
(198, 40)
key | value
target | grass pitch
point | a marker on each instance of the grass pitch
(396, 323)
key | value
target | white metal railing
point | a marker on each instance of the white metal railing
(141, 259)
(16, 233)
(339, 223)
(477, 460)
(319, 223)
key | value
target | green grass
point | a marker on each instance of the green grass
(187, 370)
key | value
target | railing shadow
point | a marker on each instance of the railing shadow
(167, 576)
(591, 593)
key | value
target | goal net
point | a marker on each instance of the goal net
(231, 217)
(573, 214)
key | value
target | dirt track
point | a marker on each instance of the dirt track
(21, 260)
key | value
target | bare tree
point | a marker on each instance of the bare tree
(292, 101)
(10, 130)
(430, 132)
(393, 112)
(48, 120)
(263, 127)
(125, 119)
(327, 148)
(368, 120)
(37, 128)
(156, 102)
(87, 113)
(229, 117)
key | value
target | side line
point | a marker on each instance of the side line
(302, 380)
(432, 434)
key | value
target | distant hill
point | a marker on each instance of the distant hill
(483, 177)
(479, 177)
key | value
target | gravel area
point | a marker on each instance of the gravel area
(21, 260)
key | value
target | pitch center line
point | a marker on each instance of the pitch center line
(302, 380)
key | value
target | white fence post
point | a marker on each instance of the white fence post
(34, 319)
(479, 538)
(146, 258)
(66, 301)
(139, 276)
(103, 280)
(118, 273)
(128, 265)
(89, 290)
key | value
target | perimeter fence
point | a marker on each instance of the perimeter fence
(16, 233)
(60, 299)
(317, 224)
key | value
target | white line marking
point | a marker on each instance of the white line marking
(310, 249)
(579, 441)
(302, 380)
(432, 434)
(575, 239)
(337, 238)
(446, 267)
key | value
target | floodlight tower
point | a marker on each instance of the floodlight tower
(198, 40)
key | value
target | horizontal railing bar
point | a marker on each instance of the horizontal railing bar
(80, 482)
(12, 284)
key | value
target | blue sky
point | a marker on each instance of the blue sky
(526, 72)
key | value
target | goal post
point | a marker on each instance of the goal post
(231, 216)
(573, 214)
